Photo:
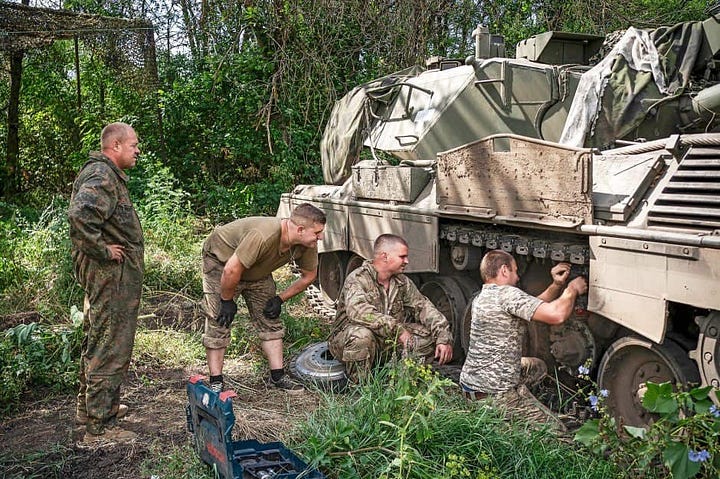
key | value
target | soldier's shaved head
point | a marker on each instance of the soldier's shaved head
(387, 241)
(114, 131)
(306, 214)
(492, 262)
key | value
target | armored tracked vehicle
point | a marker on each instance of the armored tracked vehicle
(602, 154)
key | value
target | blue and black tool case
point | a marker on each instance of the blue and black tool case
(210, 419)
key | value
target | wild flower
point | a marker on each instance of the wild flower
(604, 393)
(582, 369)
(714, 410)
(593, 402)
(698, 456)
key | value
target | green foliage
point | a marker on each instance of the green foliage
(683, 440)
(38, 355)
(219, 149)
(36, 258)
(173, 236)
(407, 422)
(590, 17)
(11, 273)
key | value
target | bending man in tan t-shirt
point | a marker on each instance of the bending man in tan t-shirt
(238, 259)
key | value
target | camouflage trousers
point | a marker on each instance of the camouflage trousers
(520, 403)
(255, 294)
(360, 349)
(112, 301)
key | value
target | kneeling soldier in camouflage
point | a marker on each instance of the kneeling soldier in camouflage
(371, 314)
(494, 366)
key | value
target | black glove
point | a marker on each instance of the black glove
(228, 308)
(272, 307)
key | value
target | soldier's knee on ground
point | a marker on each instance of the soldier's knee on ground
(358, 371)
(532, 370)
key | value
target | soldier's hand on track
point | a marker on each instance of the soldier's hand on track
(273, 307)
(579, 284)
(117, 252)
(228, 309)
(560, 273)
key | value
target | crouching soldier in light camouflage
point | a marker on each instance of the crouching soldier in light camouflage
(108, 256)
(374, 313)
(494, 366)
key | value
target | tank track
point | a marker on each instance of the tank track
(557, 247)
(318, 303)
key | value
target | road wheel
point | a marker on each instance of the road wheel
(353, 263)
(629, 363)
(448, 297)
(331, 275)
(316, 367)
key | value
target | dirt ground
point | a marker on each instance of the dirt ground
(42, 439)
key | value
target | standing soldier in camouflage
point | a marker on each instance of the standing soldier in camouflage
(108, 259)
(494, 365)
(380, 309)
(238, 259)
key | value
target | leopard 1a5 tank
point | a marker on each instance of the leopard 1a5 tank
(602, 154)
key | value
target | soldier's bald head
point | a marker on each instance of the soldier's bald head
(492, 262)
(117, 131)
(385, 242)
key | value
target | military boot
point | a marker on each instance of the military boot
(81, 417)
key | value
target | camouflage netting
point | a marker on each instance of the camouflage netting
(126, 46)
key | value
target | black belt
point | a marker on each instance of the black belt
(475, 395)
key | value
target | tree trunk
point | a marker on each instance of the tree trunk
(11, 183)
(11, 173)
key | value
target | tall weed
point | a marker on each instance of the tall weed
(173, 236)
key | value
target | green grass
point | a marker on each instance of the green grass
(406, 424)
(166, 348)
(179, 461)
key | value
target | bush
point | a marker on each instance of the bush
(684, 440)
(173, 236)
(39, 272)
(39, 355)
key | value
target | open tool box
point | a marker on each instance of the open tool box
(210, 419)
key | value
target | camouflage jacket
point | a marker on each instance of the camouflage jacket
(363, 301)
(101, 212)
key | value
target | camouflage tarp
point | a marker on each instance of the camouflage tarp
(643, 68)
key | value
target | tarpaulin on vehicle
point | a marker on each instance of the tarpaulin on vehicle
(350, 122)
(642, 69)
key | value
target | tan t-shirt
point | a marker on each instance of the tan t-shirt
(256, 242)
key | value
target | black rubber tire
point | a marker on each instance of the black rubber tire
(331, 275)
(630, 361)
(315, 367)
(448, 297)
